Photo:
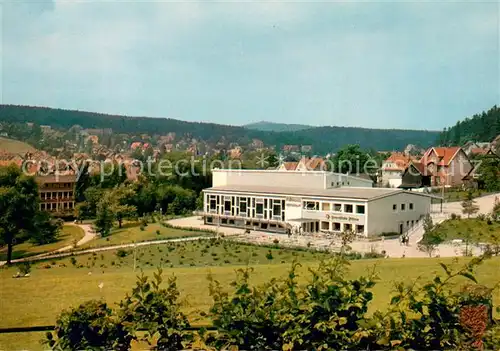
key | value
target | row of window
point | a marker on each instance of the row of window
(54, 195)
(335, 207)
(402, 207)
(254, 207)
(57, 185)
(342, 227)
(56, 206)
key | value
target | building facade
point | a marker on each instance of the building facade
(57, 193)
(311, 206)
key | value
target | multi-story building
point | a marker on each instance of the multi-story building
(309, 202)
(448, 165)
(57, 193)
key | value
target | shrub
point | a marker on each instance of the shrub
(25, 268)
(122, 253)
(142, 228)
(481, 216)
(276, 241)
(269, 255)
(157, 231)
(73, 261)
(454, 216)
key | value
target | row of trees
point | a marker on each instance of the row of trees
(20, 217)
(329, 312)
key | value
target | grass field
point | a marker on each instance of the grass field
(131, 232)
(39, 299)
(14, 146)
(479, 230)
(68, 235)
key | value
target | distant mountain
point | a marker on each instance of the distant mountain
(265, 126)
(322, 139)
(480, 127)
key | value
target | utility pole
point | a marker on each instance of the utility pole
(135, 255)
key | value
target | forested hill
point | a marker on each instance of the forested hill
(276, 127)
(483, 127)
(323, 139)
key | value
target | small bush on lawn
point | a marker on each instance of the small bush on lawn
(157, 231)
(142, 228)
(73, 261)
(122, 253)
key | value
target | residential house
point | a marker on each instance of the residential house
(311, 164)
(290, 148)
(235, 152)
(135, 145)
(393, 168)
(288, 166)
(94, 139)
(415, 176)
(447, 165)
(471, 148)
(257, 144)
(306, 148)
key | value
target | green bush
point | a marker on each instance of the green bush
(122, 253)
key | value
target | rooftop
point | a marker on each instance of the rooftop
(56, 179)
(347, 193)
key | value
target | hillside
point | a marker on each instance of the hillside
(323, 139)
(14, 146)
(276, 127)
(480, 127)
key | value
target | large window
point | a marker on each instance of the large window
(213, 203)
(277, 208)
(348, 208)
(411, 206)
(311, 205)
(360, 229)
(325, 206)
(337, 207)
(325, 226)
(259, 209)
(336, 227)
(347, 227)
(403, 207)
(227, 205)
(360, 209)
(243, 206)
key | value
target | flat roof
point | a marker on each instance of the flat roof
(281, 172)
(361, 193)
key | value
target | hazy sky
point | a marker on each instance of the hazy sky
(373, 64)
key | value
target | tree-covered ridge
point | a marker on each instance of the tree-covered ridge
(322, 139)
(480, 127)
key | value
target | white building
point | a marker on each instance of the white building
(309, 202)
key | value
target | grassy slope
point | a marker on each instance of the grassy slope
(49, 290)
(15, 146)
(68, 235)
(479, 230)
(131, 232)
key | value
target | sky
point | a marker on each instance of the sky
(413, 65)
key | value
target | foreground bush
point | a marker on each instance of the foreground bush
(327, 313)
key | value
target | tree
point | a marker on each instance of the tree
(18, 206)
(120, 200)
(104, 217)
(350, 159)
(469, 206)
(432, 237)
(46, 229)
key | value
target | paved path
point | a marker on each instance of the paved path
(104, 248)
(89, 235)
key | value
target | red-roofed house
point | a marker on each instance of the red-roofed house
(311, 164)
(448, 165)
(288, 166)
(135, 145)
(393, 168)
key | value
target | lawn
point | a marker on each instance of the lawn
(132, 232)
(479, 230)
(49, 290)
(14, 146)
(68, 235)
